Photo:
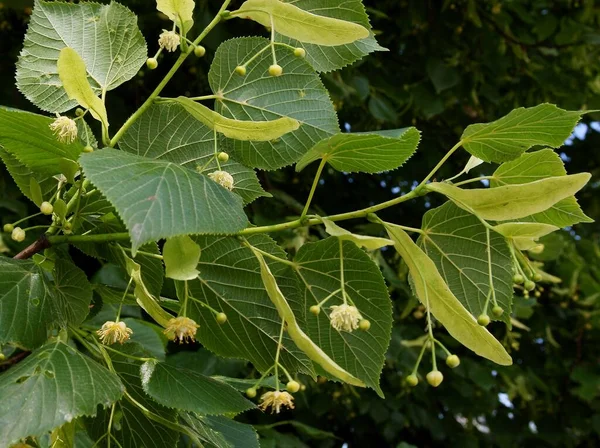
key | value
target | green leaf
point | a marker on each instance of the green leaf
(186, 390)
(291, 21)
(22, 175)
(442, 76)
(36, 191)
(166, 131)
(73, 75)
(52, 386)
(181, 12)
(536, 166)
(433, 292)
(365, 152)
(159, 199)
(28, 138)
(326, 58)
(222, 432)
(513, 201)
(181, 256)
(30, 305)
(507, 138)
(298, 94)
(119, 49)
(260, 131)
(230, 282)
(359, 352)
(524, 234)
(368, 242)
(456, 241)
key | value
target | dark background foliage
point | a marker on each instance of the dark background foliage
(449, 64)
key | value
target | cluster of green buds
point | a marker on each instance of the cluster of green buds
(434, 377)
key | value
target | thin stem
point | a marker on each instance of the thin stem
(314, 187)
(439, 165)
(186, 293)
(216, 147)
(271, 256)
(273, 40)
(26, 218)
(443, 347)
(123, 299)
(342, 281)
(263, 377)
(423, 348)
(146, 254)
(205, 97)
(287, 374)
(110, 420)
(277, 354)
(326, 299)
(125, 355)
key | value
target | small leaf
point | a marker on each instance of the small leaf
(60, 208)
(296, 23)
(35, 191)
(524, 234)
(181, 256)
(368, 242)
(365, 152)
(179, 11)
(73, 75)
(187, 390)
(433, 292)
(513, 201)
(260, 131)
(507, 138)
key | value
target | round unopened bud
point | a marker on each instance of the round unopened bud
(293, 386)
(199, 51)
(240, 70)
(518, 279)
(46, 208)
(223, 157)
(497, 311)
(299, 52)
(8, 228)
(483, 320)
(88, 148)
(67, 228)
(251, 392)
(452, 361)
(79, 111)
(151, 63)
(315, 309)
(364, 325)
(529, 285)
(275, 70)
(18, 234)
(221, 318)
(435, 378)
(537, 277)
(412, 380)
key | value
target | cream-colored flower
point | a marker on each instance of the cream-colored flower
(112, 332)
(169, 40)
(64, 129)
(275, 400)
(345, 317)
(223, 178)
(181, 329)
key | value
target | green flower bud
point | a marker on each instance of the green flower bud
(412, 380)
(315, 309)
(275, 70)
(293, 386)
(221, 318)
(88, 148)
(435, 378)
(452, 361)
(8, 228)
(537, 277)
(18, 234)
(300, 52)
(199, 51)
(364, 325)
(251, 392)
(518, 279)
(240, 70)
(483, 320)
(151, 63)
(497, 311)
(46, 208)
(223, 157)
(529, 285)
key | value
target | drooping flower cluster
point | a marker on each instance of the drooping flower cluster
(169, 40)
(276, 400)
(112, 332)
(345, 317)
(181, 329)
(223, 178)
(65, 129)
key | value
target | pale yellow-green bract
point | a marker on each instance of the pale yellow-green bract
(301, 339)
(179, 11)
(524, 234)
(181, 256)
(513, 201)
(291, 21)
(368, 242)
(434, 293)
(73, 75)
(258, 131)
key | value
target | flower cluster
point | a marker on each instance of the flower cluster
(169, 40)
(112, 332)
(345, 317)
(223, 178)
(65, 129)
(181, 329)
(276, 400)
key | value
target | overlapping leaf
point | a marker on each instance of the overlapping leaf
(159, 199)
(105, 36)
(298, 94)
(221, 432)
(52, 386)
(167, 132)
(23, 175)
(457, 242)
(365, 152)
(507, 138)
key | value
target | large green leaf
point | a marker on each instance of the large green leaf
(507, 138)
(298, 94)
(230, 282)
(52, 386)
(361, 353)
(167, 132)
(158, 199)
(365, 152)
(184, 389)
(432, 291)
(28, 138)
(23, 175)
(536, 166)
(325, 58)
(221, 432)
(105, 36)
(457, 242)
(31, 305)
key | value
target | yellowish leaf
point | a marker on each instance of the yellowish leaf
(524, 234)
(368, 242)
(179, 11)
